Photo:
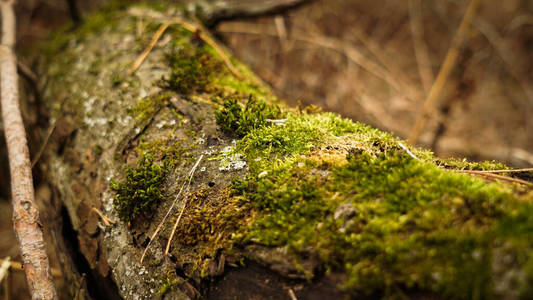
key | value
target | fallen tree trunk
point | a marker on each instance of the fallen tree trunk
(215, 189)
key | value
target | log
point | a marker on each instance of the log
(184, 180)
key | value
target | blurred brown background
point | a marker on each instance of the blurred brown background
(373, 61)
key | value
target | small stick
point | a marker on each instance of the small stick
(184, 205)
(408, 151)
(420, 47)
(26, 221)
(192, 28)
(81, 285)
(43, 145)
(146, 51)
(494, 176)
(282, 32)
(4, 268)
(505, 171)
(7, 285)
(350, 52)
(444, 72)
(160, 226)
(292, 295)
(17, 266)
(107, 221)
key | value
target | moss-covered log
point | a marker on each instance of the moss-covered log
(265, 199)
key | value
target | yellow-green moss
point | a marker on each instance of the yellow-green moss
(209, 224)
(146, 107)
(236, 120)
(392, 223)
(191, 68)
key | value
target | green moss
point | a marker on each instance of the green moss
(165, 149)
(191, 68)
(168, 285)
(234, 119)
(141, 190)
(146, 108)
(393, 224)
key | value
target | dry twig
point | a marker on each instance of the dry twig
(191, 174)
(444, 72)
(17, 266)
(488, 175)
(525, 170)
(143, 55)
(192, 28)
(421, 49)
(160, 226)
(107, 221)
(4, 268)
(349, 51)
(25, 213)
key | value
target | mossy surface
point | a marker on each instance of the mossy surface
(348, 194)
(141, 191)
(192, 68)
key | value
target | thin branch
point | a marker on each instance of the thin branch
(390, 65)
(444, 72)
(213, 12)
(25, 213)
(408, 151)
(107, 221)
(4, 268)
(420, 47)
(525, 170)
(484, 174)
(17, 266)
(143, 55)
(192, 28)
(191, 174)
(160, 226)
(349, 51)
(44, 144)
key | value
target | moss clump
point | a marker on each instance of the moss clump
(141, 190)
(191, 68)
(234, 119)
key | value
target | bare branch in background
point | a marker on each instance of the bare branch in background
(442, 77)
(420, 47)
(25, 213)
(351, 52)
(213, 12)
(74, 11)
